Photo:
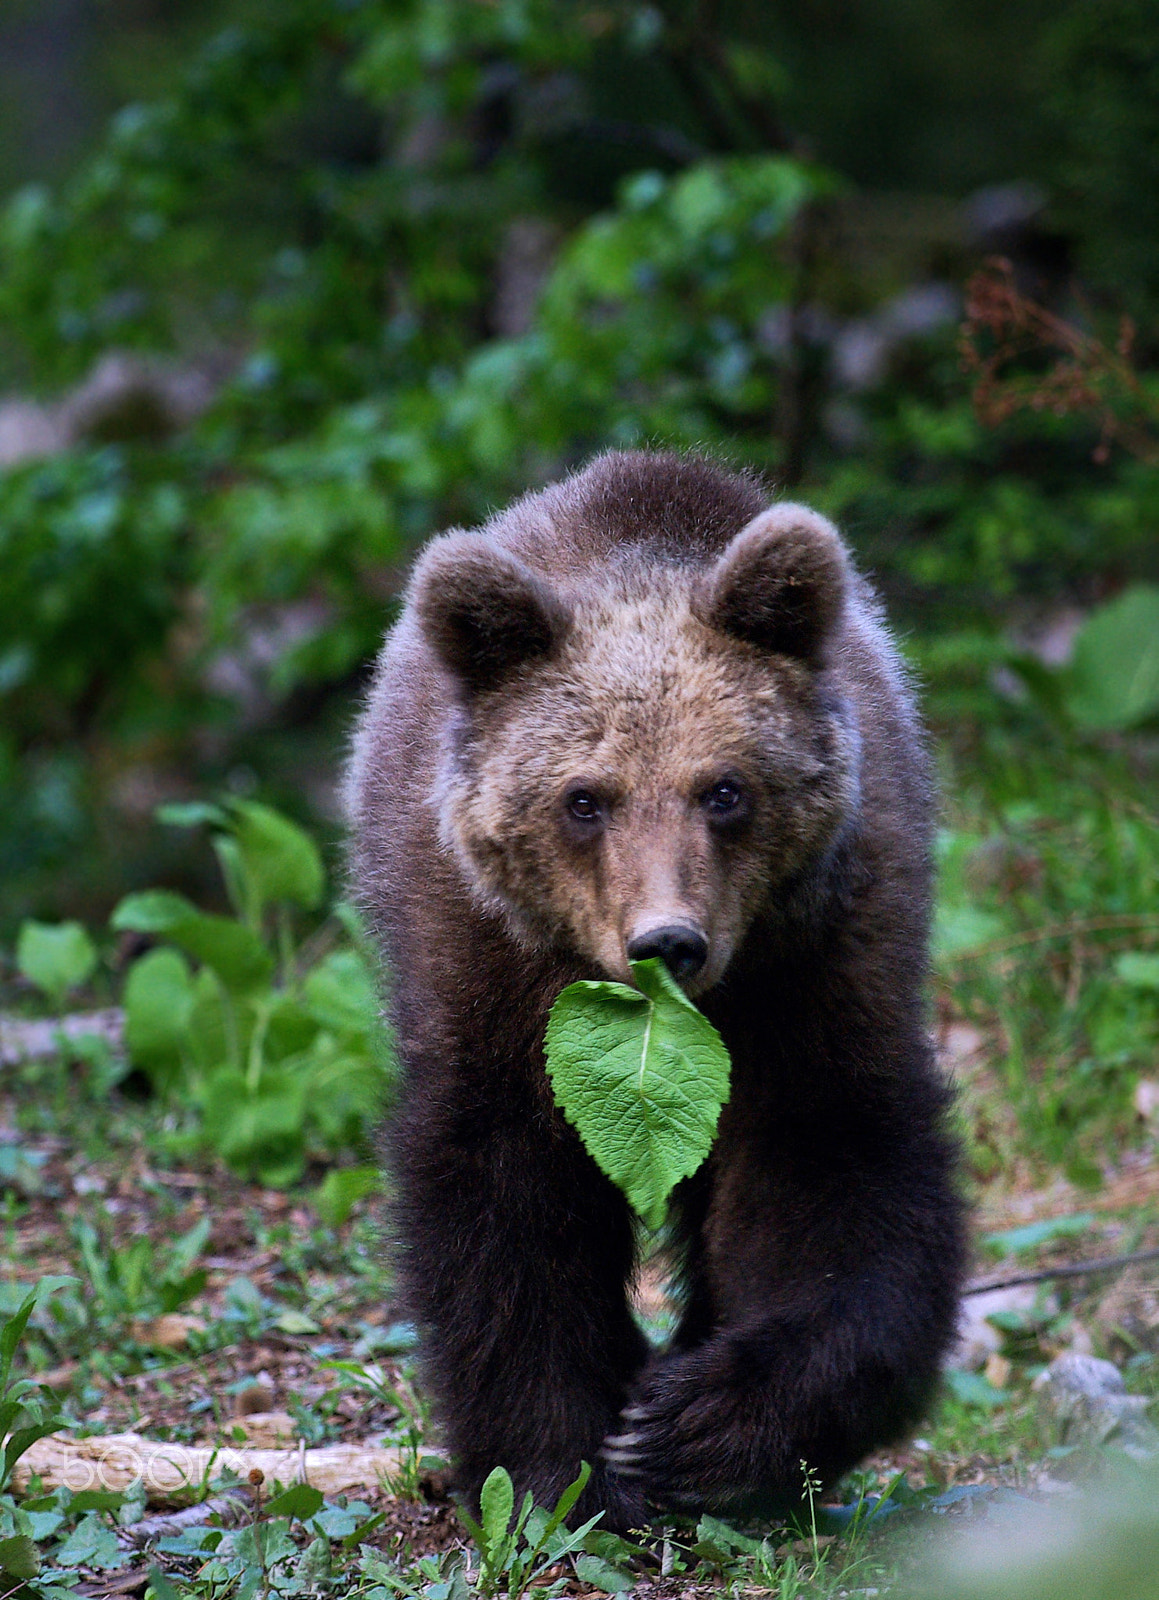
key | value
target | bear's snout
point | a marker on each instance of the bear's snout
(683, 950)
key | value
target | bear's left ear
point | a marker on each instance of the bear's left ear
(780, 584)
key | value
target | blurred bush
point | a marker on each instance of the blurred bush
(376, 265)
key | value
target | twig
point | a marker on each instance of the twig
(1123, 922)
(1072, 1269)
(1003, 327)
(230, 1508)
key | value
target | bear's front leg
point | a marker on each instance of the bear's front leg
(806, 1360)
(515, 1258)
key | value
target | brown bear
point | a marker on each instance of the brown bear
(645, 713)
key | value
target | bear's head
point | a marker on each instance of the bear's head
(642, 764)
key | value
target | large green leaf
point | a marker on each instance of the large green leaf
(496, 1503)
(159, 997)
(56, 957)
(340, 993)
(258, 1130)
(1138, 969)
(279, 859)
(641, 1075)
(233, 951)
(1113, 679)
(19, 1559)
(341, 1189)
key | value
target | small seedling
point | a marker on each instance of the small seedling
(812, 1492)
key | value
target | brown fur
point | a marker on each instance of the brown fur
(640, 635)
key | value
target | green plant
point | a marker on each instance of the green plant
(136, 1279)
(515, 1553)
(652, 323)
(296, 1543)
(398, 1392)
(642, 1076)
(1050, 880)
(25, 1412)
(1111, 682)
(41, 1538)
(55, 958)
(275, 1047)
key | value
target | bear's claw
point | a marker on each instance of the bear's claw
(619, 1450)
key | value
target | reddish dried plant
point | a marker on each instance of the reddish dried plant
(1004, 331)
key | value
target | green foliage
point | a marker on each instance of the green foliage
(94, 559)
(1050, 881)
(137, 1280)
(969, 519)
(512, 1554)
(1014, 1241)
(274, 1055)
(342, 1189)
(297, 1544)
(642, 1076)
(1111, 681)
(652, 324)
(55, 959)
(41, 1539)
(1103, 1546)
(25, 1411)
(515, 1551)
(1100, 68)
(1114, 675)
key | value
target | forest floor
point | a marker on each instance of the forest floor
(189, 1306)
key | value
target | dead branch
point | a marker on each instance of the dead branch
(1003, 343)
(1070, 1269)
(173, 1474)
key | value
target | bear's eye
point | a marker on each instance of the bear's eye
(583, 806)
(725, 799)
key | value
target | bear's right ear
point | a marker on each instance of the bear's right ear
(780, 584)
(482, 610)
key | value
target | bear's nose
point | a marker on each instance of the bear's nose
(682, 950)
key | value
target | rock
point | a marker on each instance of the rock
(1091, 1546)
(28, 430)
(127, 396)
(22, 1040)
(170, 1331)
(124, 396)
(268, 1430)
(1089, 1401)
(978, 1340)
(1146, 1101)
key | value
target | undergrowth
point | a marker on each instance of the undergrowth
(1048, 942)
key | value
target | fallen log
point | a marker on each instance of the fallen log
(174, 1474)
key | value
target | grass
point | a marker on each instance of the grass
(1050, 895)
